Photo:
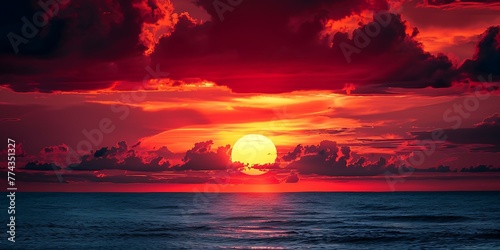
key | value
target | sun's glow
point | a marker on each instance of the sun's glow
(254, 149)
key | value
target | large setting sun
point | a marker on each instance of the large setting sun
(253, 149)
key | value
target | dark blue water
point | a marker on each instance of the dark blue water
(461, 220)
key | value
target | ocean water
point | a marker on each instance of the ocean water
(449, 220)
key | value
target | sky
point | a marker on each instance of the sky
(359, 95)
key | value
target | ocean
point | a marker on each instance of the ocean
(407, 220)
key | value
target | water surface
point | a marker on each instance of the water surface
(456, 220)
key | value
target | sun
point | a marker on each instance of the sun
(254, 149)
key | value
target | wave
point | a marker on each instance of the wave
(166, 207)
(378, 207)
(491, 235)
(168, 228)
(357, 239)
(196, 213)
(148, 235)
(308, 213)
(236, 218)
(300, 222)
(421, 218)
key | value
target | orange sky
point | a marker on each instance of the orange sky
(158, 92)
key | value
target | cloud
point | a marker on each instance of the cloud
(439, 169)
(85, 45)
(36, 165)
(439, 2)
(290, 52)
(330, 159)
(486, 60)
(483, 136)
(287, 48)
(121, 148)
(451, 4)
(295, 154)
(492, 121)
(120, 157)
(201, 157)
(204, 164)
(480, 169)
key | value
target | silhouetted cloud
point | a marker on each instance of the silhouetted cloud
(286, 48)
(202, 164)
(486, 60)
(235, 47)
(483, 137)
(201, 157)
(480, 169)
(98, 42)
(41, 166)
(119, 157)
(438, 169)
(330, 159)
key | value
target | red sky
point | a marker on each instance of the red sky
(113, 95)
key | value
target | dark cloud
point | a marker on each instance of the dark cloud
(492, 121)
(284, 50)
(36, 165)
(85, 45)
(480, 169)
(201, 157)
(52, 149)
(295, 154)
(120, 157)
(448, 3)
(483, 137)
(203, 164)
(407, 65)
(121, 148)
(440, 2)
(330, 159)
(438, 169)
(90, 45)
(486, 60)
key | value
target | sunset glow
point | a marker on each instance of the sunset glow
(304, 96)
